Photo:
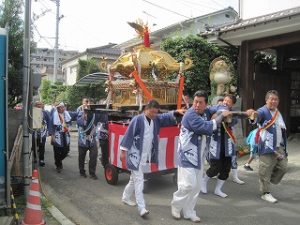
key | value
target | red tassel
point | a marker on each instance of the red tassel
(146, 37)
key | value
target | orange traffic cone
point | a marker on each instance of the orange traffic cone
(33, 211)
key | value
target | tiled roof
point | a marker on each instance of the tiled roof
(109, 49)
(242, 24)
(192, 20)
(106, 49)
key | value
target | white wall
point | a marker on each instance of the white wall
(70, 70)
(254, 8)
(71, 75)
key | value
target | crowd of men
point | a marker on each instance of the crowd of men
(206, 133)
(56, 124)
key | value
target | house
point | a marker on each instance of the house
(106, 54)
(42, 62)
(276, 34)
(185, 28)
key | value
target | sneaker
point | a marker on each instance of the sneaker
(94, 177)
(83, 175)
(248, 167)
(194, 218)
(144, 212)
(128, 202)
(176, 215)
(269, 198)
(58, 169)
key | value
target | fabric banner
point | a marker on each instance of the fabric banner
(167, 154)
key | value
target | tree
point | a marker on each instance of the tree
(72, 95)
(51, 93)
(94, 92)
(87, 67)
(10, 17)
(202, 53)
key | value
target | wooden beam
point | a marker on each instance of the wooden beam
(274, 41)
(246, 62)
(246, 76)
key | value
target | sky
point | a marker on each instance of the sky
(93, 23)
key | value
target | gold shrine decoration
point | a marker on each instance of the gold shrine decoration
(147, 69)
(148, 59)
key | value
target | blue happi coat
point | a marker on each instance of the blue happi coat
(193, 126)
(87, 135)
(61, 136)
(102, 126)
(42, 133)
(216, 139)
(267, 141)
(133, 138)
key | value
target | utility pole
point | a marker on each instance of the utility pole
(56, 41)
(241, 8)
(25, 96)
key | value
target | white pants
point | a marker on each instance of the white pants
(189, 185)
(136, 184)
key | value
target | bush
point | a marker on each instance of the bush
(202, 53)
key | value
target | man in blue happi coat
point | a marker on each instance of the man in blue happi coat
(221, 149)
(39, 135)
(85, 104)
(228, 102)
(60, 122)
(139, 147)
(271, 142)
(193, 140)
(87, 141)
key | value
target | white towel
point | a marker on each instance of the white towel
(56, 119)
(280, 121)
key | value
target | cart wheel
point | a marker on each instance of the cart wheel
(175, 178)
(111, 174)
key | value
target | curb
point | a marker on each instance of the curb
(59, 216)
(55, 212)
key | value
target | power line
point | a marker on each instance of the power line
(41, 37)
(81, 26)
(218, 3)
(148, 14)
(46, 7)
(193, 10)
(66, 47)
(199, 4)
(44, 4)
(161, 7)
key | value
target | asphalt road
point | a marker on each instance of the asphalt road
(88, 202)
